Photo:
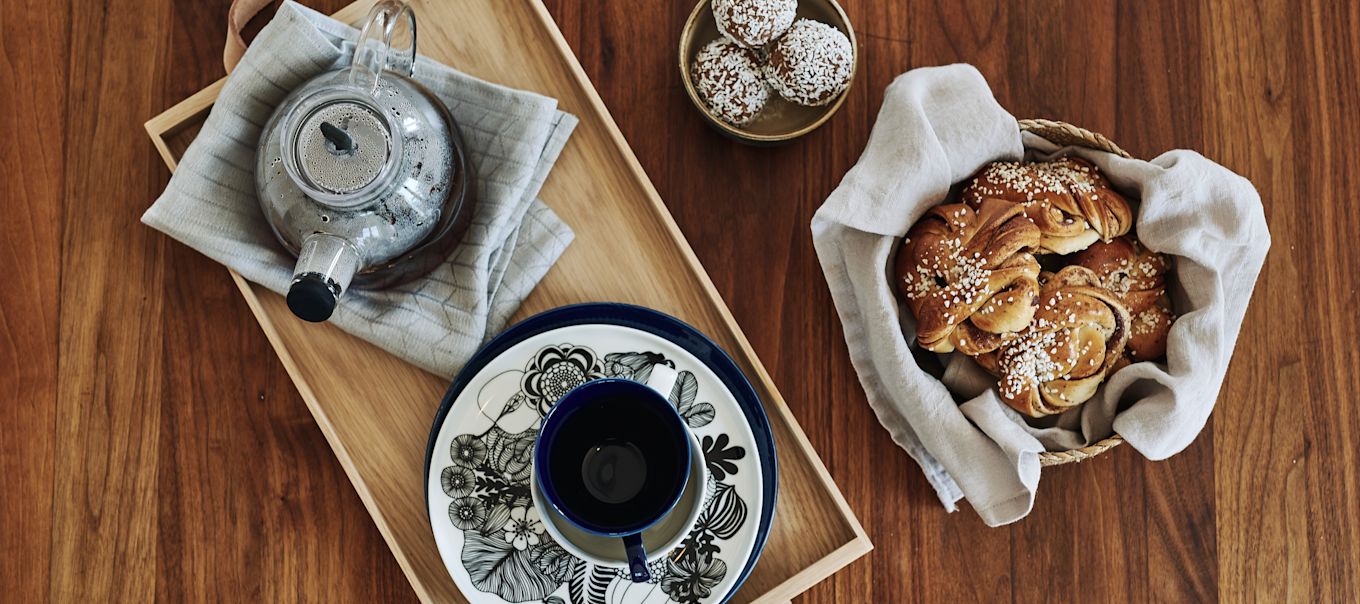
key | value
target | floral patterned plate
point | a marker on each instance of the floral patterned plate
(481, 447)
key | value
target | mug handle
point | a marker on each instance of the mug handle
(662, 380)
(637, 558)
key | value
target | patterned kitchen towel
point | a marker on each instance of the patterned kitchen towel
(937, 127)
(512, 137)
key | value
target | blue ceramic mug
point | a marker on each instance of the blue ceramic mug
(613, 458)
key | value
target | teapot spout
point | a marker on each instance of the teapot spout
(325, 266)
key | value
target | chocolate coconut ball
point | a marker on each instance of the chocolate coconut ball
(754, 23)
(729, 80)
(811, 64)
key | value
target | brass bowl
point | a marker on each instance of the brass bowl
(781, 120)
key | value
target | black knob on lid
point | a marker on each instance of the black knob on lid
(342, 141)
(311, 299)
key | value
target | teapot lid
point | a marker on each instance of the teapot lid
(340, 147)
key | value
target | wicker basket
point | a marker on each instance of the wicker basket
(1064, 134)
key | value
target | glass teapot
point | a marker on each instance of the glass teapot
(361, 172)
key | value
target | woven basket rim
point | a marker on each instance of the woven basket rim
(1063, 133)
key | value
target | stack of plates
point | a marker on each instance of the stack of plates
(481, 451)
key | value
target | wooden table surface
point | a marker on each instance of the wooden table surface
(151, 445)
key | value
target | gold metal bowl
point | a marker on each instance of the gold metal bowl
(781, 120)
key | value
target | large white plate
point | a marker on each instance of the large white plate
(477, 478)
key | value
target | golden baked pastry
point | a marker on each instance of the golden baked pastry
(1148, 331)
(1077, 336)
(1137, 276)
(968, 275)
(969, 272)
(1070, 201)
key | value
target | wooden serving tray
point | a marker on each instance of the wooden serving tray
(378, 426)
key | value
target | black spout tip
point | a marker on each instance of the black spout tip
(311, 299)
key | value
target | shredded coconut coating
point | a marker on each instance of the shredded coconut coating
(754, 23)
(728, 79)
(811, 64)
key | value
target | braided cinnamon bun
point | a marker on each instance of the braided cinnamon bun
(1070, 201)
(1137, 276)
(968, 276)
(1077, 336)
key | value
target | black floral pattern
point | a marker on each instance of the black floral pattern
(555, 370)
(524, 529)
(725, 513)
(691, 579)
(467, 450)
(505, 548)
(553, 561)
(457, 481)
(634, 365)
(720, 456)
(696, 414)
(467, 513)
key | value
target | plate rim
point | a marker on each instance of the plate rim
(662, 325)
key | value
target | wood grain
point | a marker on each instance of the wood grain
(30, 252)
(107, 427)
(140, 459)
(1286, 436)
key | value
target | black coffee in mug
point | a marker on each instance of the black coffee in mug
(612, 458)
(618, 461)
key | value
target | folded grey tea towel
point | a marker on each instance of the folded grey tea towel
(512, 137)
(937, 127)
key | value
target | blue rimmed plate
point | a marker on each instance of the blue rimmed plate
(480, 452)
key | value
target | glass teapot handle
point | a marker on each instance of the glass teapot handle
(387, 42)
